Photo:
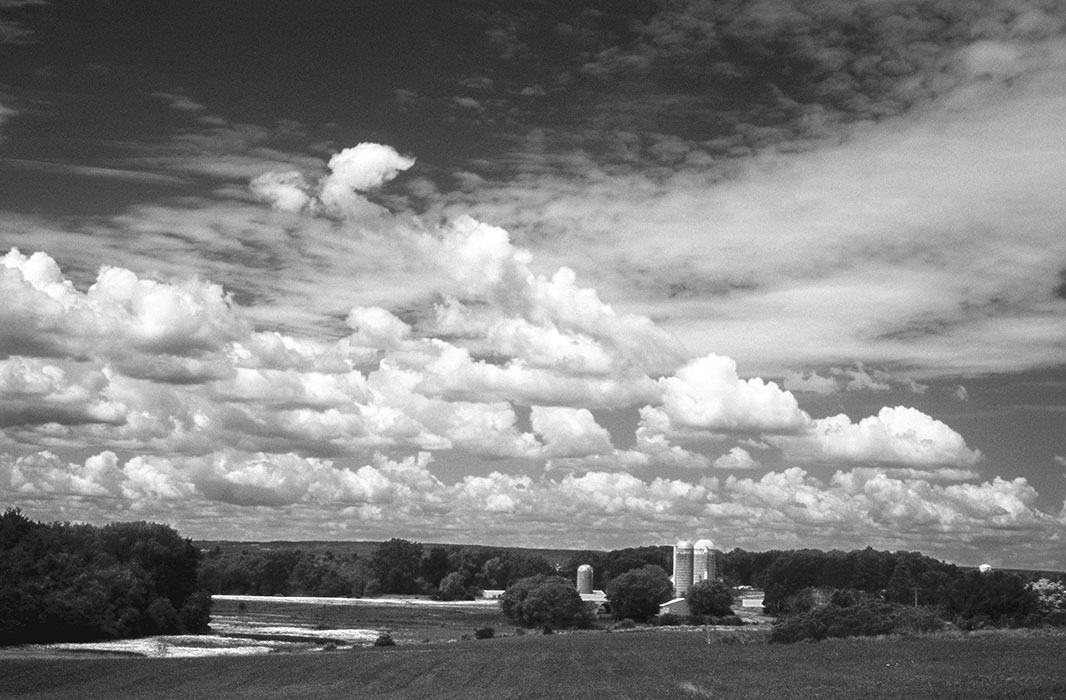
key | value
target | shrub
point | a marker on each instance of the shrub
(624, 624)
(669, 620)
(384, 640)
(867, 618)
(484, 633)
(729, 620)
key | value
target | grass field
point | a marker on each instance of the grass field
(655, 663)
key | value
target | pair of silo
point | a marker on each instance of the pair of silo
(692, 563)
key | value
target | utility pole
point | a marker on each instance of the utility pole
(915, 589)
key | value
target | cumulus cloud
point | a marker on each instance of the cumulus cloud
(352, 172)
(900, 434)
(707, 393)
(570, 432)
(287, 191)
(34, 391)
(46, 316)
(736, 458)
(851, 508)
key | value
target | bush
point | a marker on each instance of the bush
(384, 640)
(484, 633)
(867, 618)
(728, 620)
(669, 620)
(624, 624)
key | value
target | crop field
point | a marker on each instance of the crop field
(638, 664)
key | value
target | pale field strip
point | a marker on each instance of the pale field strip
(171, 646)
(240, 625)
(379, 602)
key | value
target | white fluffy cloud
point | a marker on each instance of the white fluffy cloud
(352, 172)
(852, 508)
(44, 315)
(898, 434)
(736, 458)
(707, 393)
(570, 432)
(359, 169)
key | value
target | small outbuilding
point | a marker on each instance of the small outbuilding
(677, 606)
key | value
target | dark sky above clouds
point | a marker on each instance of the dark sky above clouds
(573, 274)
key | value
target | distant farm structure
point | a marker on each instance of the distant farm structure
(694, 563)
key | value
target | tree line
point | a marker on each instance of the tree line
(74, 582)
(395, 567)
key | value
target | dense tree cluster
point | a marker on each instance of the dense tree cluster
(286, 571)
(64, 582)
(710, 599)
(782, 574)
(609, 565)
(637, 593)
(395, 567)
(546, 601)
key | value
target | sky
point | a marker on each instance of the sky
(578, 275)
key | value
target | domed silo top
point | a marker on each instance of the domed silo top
(584, 567)
(703, 544)
(684, 544)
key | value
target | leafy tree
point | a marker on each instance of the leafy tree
(545, 600)
(435, 566)
(637, 593)
(710, 598)
(396, 566)
(1050, 597)
(195, 615)
(451, 587)
(1000, 597)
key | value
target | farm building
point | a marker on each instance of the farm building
(677, 606)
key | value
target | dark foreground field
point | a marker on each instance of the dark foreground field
(594, 665)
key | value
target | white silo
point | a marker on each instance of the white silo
(682, 567)
(704, 561)
(584, 579)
